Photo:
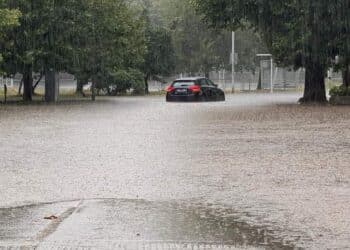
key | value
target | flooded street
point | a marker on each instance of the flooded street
(256, 171)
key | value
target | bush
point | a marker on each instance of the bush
(122, 81)
(339, 91)
(137, 84)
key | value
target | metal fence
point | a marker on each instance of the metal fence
(130, 245)
(283, 79)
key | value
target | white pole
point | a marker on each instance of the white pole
(233, 61)
(271, 75)
(223, 78)
(275, 77)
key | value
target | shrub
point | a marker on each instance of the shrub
(339, 91)
(122, 81)
(137, 83)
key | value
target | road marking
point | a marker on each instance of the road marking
(52, 227)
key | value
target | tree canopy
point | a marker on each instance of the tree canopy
(9, 18)
(303, 33)
(88, 38)
(99, 41)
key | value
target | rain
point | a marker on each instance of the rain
(161, 124)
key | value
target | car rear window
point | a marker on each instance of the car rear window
(183, 83)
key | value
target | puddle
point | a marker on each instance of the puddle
(127, 224)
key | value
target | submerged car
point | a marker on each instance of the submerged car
(194, 89)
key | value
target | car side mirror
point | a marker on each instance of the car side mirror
(216, 85)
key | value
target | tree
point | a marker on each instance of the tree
(20, 56)
(106, 38)
(91, 39)
(248, 44)
(341, 41)
(160, 56)
(38, 43)
(198, 48)
(9, 18)
(159, 59)
(297, 33)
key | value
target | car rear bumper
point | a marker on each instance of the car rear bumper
(182, 98)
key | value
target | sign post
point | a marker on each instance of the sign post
(271, 79)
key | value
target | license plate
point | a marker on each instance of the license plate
(181, 91)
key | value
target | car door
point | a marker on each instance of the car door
(206, 89)
(213, 90)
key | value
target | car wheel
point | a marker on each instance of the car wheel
(222, 98)
(202, 98)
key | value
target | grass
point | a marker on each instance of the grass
(332, 83)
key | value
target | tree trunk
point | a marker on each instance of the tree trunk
(37, 83)
(51, 86)
(27, 84)
(346, 76)
(80, 87)
(259, 81)
(5, 93)
(20, 87)
(315, 89)
(146, 84)
(93, 90)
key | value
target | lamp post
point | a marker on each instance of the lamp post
(233, 62)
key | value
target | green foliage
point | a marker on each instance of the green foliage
(159, 59)
(122, 81)
(160, 56)
(298, 33)
(339, 91)
(107, 37)
(341, 38)
(198, 48)
(91, 39)
(137, 82)
(40, 38)
(8, 18)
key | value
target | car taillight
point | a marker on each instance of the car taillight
(195, 88)
(169, 89)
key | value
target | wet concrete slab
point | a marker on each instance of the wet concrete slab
(26, 226)
(139, 224)
(131, 224)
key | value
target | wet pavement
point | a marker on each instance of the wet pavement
(256, 171)
(133, 224)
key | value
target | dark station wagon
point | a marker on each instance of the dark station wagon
(194, 89)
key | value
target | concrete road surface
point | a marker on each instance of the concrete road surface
(255, 172)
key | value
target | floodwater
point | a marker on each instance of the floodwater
(279, 168)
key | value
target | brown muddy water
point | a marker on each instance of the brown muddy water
(283, 168)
